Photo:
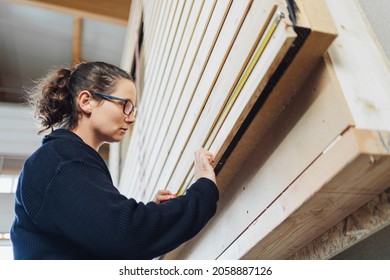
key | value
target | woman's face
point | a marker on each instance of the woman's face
(109, 122)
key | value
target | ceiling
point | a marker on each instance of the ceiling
(37, 35)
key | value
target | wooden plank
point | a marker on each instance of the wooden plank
(322, 33)
(157, 68)
(381, 140)
(185, 56)
(204, 36)
(196, 57)
(156, 37)
(190, 109)
(195, 31)
(150, 26)
(318, 113)
(167, 58)
(317, 27)
(366, 221)
(158, 41)
(328, 191)
(274, 51)
(361, 67)
(114, 11)
(170, 75)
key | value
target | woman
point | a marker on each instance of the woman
(66, 205)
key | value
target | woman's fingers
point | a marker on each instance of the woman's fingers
(203, 165)
(163, 195)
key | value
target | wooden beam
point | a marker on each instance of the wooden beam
(77, 39)
(348, 175)
(366, 221)
(114, 11)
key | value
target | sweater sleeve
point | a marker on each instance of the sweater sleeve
(82, 204)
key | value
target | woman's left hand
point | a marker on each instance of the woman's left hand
(163, 195)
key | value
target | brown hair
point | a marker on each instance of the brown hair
(54, 95)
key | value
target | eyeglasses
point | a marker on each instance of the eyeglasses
(128, 106)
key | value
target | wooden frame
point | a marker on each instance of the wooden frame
(115, 11)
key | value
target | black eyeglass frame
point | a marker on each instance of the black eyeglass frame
(110, 97)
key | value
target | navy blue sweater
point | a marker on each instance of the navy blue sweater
(67, 207)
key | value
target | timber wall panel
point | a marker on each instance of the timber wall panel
(157, 65)
(197, 29)
(318, 114)
(198, 87)
(157, 92)
(212, 94)
(179, 53)
(274, 135)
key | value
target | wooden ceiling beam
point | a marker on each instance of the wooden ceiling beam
(77, 39)
(114, 11)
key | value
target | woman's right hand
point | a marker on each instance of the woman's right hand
(203, 165)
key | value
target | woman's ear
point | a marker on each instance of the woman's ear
(84, 101)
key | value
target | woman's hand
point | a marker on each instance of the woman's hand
(163, 195)
(203, 165)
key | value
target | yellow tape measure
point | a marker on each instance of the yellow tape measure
(233, 97)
